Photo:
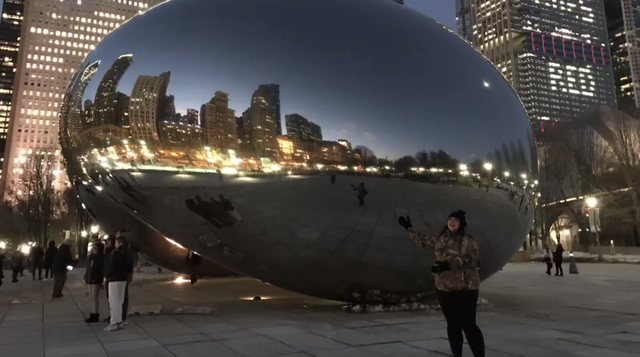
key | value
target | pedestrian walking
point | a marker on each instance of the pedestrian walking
(2, 257)
(49, 256)
(333, 179)
(120, 267)
(110, 246)
(60, 266)
(557, 259)
(36, 256)
(193, 262)
(17, 264)
(94, 278)
(547, 258)
(361, 191)
(457, 279)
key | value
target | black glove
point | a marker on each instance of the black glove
(440, 267)
(405, 222)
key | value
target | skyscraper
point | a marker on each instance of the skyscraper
(72, 104)
(146, 106)
(302, 128)
(464, 18)
(219, 123)
(271, 94)
(106, 102)
(192, 117)
(259, 127)
(555, 53)
(623, 18)
(55, 39)
(10, 28)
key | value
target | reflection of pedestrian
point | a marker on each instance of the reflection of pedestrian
(213, 211)
(228, 207)
(219, 175)
(360, 192)
(557, 259)
(1, 265)
(193, 262)
(333, 179)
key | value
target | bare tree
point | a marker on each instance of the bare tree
(34, 196)
(622, 132)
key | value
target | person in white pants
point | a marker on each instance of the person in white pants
(119, 269)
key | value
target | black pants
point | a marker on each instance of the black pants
(16, 271)
(549, 266)
(47, 272)
(59, 279)
(361, 200)
(193, 275)
(559, 268)
(34, 267)
(459, 309)
(125, 304)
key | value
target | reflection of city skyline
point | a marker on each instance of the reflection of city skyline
(149, 114)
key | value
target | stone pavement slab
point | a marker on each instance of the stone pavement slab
(592, 314)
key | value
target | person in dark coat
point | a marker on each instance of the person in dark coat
(120, 267)
(94, 277)
(360, 192)
(110, 246)
(333, 179)
(17, 264)
(49, 256)
(557, 259)
(133, 255)
(193, 262)
(59, 268)
(36, 256)
(1, 265)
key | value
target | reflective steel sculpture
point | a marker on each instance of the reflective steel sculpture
(243, 130)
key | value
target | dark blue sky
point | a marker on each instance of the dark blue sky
(378, 75)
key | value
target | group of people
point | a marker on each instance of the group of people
(110, 267)
(54, 261)
(555, 257)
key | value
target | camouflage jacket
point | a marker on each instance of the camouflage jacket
(462, 254)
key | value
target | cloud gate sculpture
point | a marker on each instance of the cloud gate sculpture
(243, 129)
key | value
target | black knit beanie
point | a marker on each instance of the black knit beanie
(461, 216)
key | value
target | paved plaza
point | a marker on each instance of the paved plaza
(596, 313)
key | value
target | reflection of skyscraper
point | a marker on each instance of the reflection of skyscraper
(260, 128)
(302, 128)
(145, 106)
(122, 110)
(192, 117)
(271, 94)
(180, 134)
(219, 123)
(106, 101)
(88, 114)
(75, 110)
(169, 108)
(345, 143)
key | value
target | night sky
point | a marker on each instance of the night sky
(379, 75)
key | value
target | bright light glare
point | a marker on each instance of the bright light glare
(229, 171)
(69, 268)
(180, 280)
(3, 245)
(463, 167)
(486, 84)
(592, 202)
(24, 248)
(174, 243)
(488, 166)
(94, 229)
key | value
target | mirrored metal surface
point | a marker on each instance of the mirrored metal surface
(243, 130)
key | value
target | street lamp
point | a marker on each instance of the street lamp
(594, 220)
(83, 234)
(463, 167)
(506, 174)
(94, 229)
(524, 176)
(488, 166)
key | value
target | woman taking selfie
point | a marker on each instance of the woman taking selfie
(457, 279)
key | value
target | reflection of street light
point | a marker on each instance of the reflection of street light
(463, 167)
(524, 176)
(3, 245)
(24, 248)
(94, 229)
(488, 166)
